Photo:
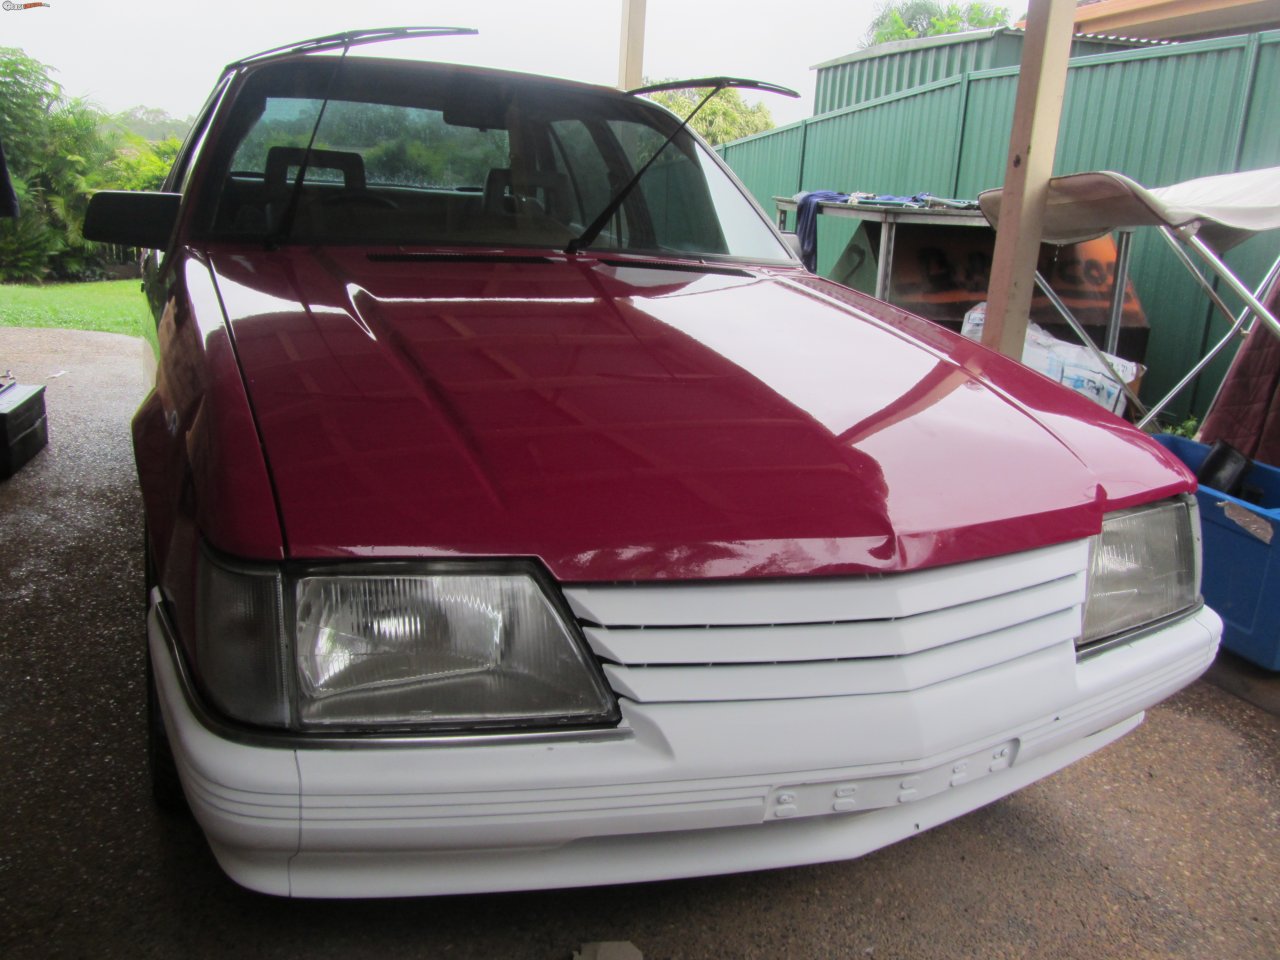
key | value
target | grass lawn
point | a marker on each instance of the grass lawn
(112, 306)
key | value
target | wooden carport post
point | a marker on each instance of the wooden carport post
(1042, 80)
(631, 50)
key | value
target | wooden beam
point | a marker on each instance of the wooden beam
(1042, 80)
(1177, 19)
(631, 51)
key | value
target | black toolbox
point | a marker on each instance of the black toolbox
(23, 428)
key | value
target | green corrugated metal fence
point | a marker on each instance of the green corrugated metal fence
(892, 67)
(1160, 115)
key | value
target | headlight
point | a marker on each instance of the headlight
(1144, 567)
(392, 648)
(453, 649)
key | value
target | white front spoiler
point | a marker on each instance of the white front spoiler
(681, 790)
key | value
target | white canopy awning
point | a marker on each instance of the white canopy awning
(1229, 208)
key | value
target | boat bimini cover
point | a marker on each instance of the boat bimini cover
(1228, 208)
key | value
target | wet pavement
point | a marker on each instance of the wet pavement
(1166, 844)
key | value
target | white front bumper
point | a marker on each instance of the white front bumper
(682, 789)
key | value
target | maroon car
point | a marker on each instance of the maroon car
(521, 513)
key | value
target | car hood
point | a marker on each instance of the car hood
(625, 420)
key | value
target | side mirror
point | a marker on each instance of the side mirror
(793, 241)
(132, 218)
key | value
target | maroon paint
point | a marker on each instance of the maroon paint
(625, 422)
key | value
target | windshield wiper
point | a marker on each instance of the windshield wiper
(718, 82)
(588, 236)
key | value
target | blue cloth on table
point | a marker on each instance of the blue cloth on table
(807, 223)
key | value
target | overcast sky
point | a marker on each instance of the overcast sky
(168, 53)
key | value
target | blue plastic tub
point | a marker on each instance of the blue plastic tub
(1241, 559)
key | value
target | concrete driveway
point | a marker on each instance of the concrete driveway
(1167, 844)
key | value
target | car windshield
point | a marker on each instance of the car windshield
(411, 154)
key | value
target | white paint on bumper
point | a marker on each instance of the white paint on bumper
(689, 789)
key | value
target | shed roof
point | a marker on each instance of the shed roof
(968, 36)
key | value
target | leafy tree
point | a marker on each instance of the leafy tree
(56, 172)
(153, 124)
(727, 117)
(28, 243)
(73, 162)
(139, 165)
(27, 94)
(908, 19)
(60, 151)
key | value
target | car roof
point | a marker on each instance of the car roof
(348, 39)
(326, 49)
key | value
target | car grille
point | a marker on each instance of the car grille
(830, 637)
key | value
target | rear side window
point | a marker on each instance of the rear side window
(577, 154)
(386, 145)
(675, 191)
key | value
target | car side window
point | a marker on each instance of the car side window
(669, 210)
(674, 189)
(180, 173)
(578, 153)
